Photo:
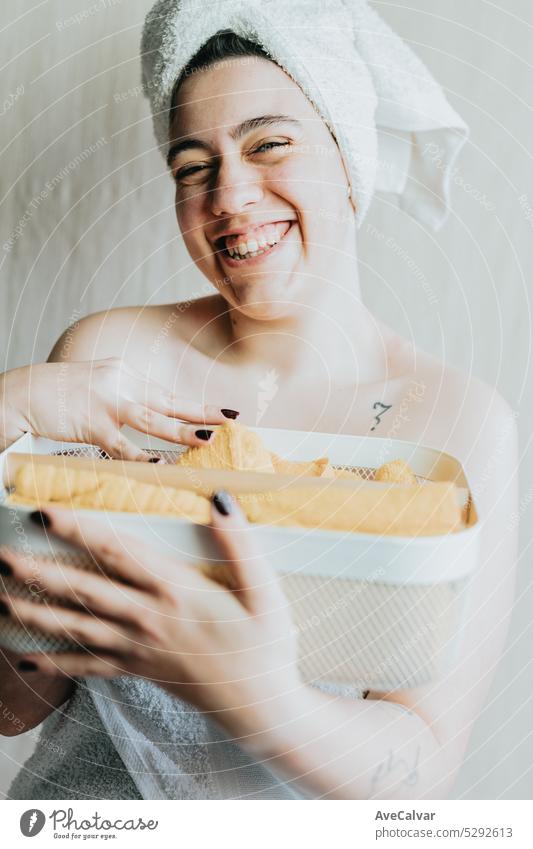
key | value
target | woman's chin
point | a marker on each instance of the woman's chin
(265, 301)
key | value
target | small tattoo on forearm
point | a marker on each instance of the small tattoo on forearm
(407, 773)
(384, 408)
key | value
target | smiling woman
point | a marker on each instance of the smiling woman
(274, 162)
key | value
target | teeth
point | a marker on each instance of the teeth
(252, 248)
(267, 236)
(236, 252)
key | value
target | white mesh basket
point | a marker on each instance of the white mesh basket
(379, 612)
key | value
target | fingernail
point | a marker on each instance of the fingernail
(230, 414)
(4, 609)
(223, 502)
(204, 434)
(5, 569)
(154, 460)
(40, 518)
(27, 666)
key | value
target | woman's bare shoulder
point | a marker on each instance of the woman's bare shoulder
(101, 334)
(124, 331)
(461, 413)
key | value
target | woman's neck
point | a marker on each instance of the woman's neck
(332, 332)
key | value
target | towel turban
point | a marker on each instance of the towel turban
(394, 127)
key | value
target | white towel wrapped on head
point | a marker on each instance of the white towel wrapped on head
(385, 110)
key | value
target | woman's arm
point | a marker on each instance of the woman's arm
(410, 744)
(338, 748)
(76, 400)
(87, 393)
(26, 699)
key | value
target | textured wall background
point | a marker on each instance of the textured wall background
(87, 223)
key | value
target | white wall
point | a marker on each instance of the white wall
(105, 235)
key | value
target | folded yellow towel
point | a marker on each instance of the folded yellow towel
(408, 510)
(232, 447)
(39, 485)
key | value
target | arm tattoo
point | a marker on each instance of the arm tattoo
(384, 408)
(400, 766)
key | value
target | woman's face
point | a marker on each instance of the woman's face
(257, 171)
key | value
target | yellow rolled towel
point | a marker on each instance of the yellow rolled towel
(52, 483)
(319, 468)
(398, 511)
(396, 471)
(406, 511)
(39, 484)
(231, 447)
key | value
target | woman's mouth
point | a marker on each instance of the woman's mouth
(255, 246)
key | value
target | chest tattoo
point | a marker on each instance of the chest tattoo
(382, 410)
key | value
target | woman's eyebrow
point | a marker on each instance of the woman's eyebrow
(262, 121)
(235, 133)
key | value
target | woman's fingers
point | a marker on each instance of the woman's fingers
(158, 399)
(81, 628)
(118, 446)
(156, 424)
(127, 557)
(256, 582)
(73, 664)
(97, 593)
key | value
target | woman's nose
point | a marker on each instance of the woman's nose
(236, 187)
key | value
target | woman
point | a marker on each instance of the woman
(287, 340)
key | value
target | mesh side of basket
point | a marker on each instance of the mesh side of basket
(172, 454)
(373, 635)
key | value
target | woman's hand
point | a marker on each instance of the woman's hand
(228, 651)
(91, 401)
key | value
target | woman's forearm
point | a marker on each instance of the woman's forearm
(340, 748)
(26, 699)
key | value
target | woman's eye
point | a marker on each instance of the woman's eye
(189, 171)
(266, 146)
(193, 173)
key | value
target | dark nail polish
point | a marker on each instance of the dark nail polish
(5, 569)
(154, 460)
(40, 518)
(27, 666)
(204, 434)
(4, 609)
(230, 414)
(223, 502)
